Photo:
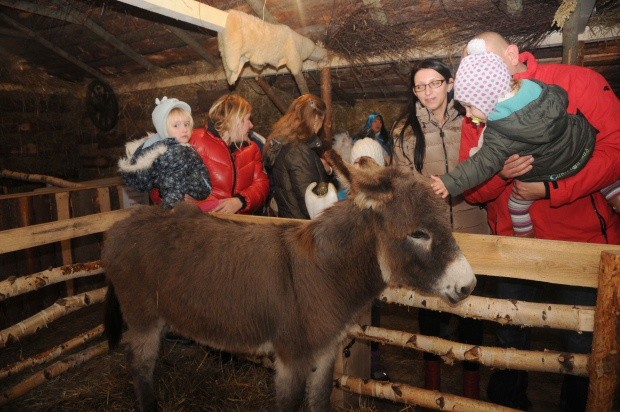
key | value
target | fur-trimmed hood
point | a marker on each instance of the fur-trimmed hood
(138, 158)
(175, 168)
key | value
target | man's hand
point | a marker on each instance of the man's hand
(516, 166)
(229, 205)
(438, 187)
(528, 190)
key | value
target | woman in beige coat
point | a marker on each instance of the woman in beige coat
(427, 137)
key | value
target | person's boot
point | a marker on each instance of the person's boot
(471, 384)
(432, 375)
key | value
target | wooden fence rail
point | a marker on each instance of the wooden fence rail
(562, 263)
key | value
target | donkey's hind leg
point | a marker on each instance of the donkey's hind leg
(142, 356)
(290, 382)
(321, 380)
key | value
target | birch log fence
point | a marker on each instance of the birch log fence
(561, 263)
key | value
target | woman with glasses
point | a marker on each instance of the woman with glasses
(427, 137)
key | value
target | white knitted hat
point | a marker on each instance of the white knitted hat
(482, 78)
(161, 111)
(368, 147)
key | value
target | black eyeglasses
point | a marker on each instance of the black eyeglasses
(434, 85)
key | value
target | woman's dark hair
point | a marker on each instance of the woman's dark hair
(410, 113)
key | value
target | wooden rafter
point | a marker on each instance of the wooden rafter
(189, 11)
(197, 47)
(275, 99)
(71, 15)
(52, 47)
(261, 11)
(300, 79)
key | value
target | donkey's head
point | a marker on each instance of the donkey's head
(415, 246)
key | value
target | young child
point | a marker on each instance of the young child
(522, 116)
(165, 159)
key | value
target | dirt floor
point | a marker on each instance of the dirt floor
(193, 378)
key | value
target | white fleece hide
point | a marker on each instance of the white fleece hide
(249, 39)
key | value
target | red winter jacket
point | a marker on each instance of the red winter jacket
(571, 213)
(238, 173)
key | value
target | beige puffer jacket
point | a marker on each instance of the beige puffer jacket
(442, 155)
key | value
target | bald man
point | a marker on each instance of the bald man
(571, 209)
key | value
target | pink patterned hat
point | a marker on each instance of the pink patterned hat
(481, 79)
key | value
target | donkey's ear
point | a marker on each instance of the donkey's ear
(369, 185)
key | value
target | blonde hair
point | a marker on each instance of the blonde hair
(179, 113)
(297, 123)
(227, 113)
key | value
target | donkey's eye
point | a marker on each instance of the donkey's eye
(420, 234)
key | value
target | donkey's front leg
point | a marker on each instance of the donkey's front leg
(320, 382)
(290, 382)
(142, 355)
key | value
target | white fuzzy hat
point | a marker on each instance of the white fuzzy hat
(482, 78)
(368, 147)
(161, 112)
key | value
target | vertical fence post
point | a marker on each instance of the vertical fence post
(63, 211)
(605, 357)
(356, 362)
(326, 95)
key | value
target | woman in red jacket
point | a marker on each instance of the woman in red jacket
(240, 183)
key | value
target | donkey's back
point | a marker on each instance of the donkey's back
(187, 269)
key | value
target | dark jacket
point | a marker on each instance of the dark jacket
(561, 143)
(293, 166)
(174, 168)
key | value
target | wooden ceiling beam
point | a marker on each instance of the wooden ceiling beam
(275, 99)
(11, 33)
(71, 15)
(261, 11)
(45, 43)
(197, 47)
(189, 11)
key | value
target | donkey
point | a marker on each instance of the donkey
(292, 290)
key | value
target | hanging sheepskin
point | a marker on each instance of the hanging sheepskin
(249, 39)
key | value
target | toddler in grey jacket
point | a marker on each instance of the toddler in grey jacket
(166, 160)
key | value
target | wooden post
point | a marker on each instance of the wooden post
(63, 211)
(25, 219)
(326, 95)
(355, 362)
(270, 93)
(102, 201)
(605, 357)
(570, 37)
(301, 83)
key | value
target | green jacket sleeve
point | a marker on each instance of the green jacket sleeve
(480, 167)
